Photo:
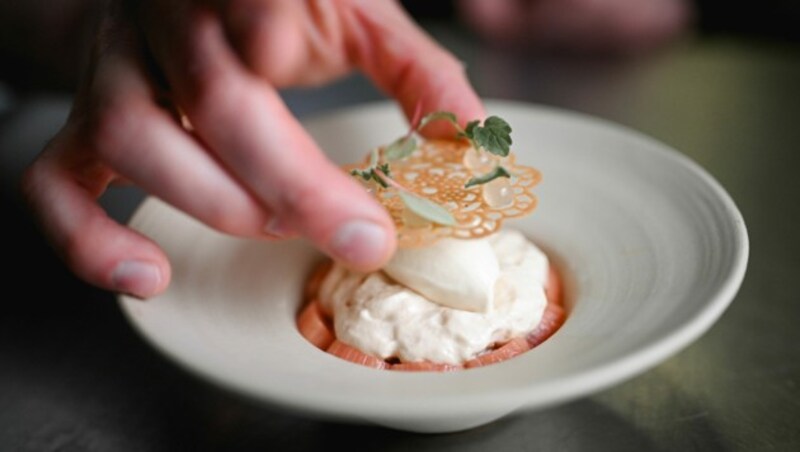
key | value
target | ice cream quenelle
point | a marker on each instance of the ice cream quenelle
(460, 291)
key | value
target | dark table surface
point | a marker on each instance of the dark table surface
(74, 376)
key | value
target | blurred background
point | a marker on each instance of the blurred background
(719, 81)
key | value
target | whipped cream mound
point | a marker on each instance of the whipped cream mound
(393, 317)
(460, 274)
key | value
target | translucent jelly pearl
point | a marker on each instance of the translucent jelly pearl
(478, 162)
(498, 193)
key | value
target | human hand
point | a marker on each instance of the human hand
(597, 26)
(248, 168)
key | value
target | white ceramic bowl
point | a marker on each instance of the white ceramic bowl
(652, 248)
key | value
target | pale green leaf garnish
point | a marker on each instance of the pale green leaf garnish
(427, 209)
(435, 116)
(400, 148)
(498, 171)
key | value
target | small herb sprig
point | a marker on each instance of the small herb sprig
(498, 171)
(493, 136)
(374, 173)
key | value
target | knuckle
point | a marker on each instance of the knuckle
(271, 41)
(234, 219)
(111, 127)
(301, 202)
(216, 96)
(221, 218)
(247, 17)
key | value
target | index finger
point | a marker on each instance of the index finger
(409, 65)
(245, 124)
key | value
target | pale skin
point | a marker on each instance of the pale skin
(587, 26)
(248, 168)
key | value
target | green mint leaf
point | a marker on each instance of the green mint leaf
(385, 169)
(436, 116)
(494, 136)
(427, 209)
(498, 171)
(469, 131)
(400, 148)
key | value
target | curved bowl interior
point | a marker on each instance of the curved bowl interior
(652, 250)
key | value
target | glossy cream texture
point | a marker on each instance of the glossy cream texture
(384, 318)
(460, 274)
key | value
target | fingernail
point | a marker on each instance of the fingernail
(277, 228)
(359, 243)
(137, 278)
